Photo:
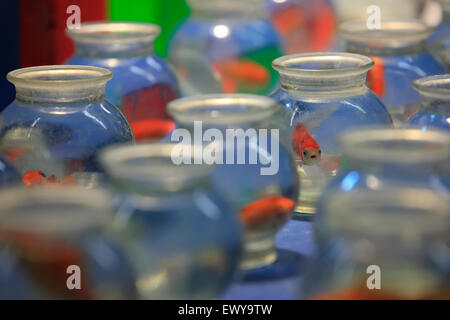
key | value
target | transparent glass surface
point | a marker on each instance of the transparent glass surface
(264, 191)
(180, 234)
(388, 159)
(321, 96)
(60, 120)
(388, 243)
(400, 54)
(435, 110)
(226, 46)
(8, 174)
(143, 83)
(439, 42)
(55, 239)
(304, 25)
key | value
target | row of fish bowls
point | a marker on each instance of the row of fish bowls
(184, 217)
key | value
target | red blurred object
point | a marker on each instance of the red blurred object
(376, 78)
(266, 209)
(306, 26)
(145, 110)
(42, 25)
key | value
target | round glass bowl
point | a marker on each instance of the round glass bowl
(305, 26)
(59, 120)
(439, 41)
(181, 236)
(322, 95)
(400, 53)
(435, 110)
(54, 244)
(143, 83)
(388, 243)
(254, 170)
(8, 174)
(226, 46)
(388, 159)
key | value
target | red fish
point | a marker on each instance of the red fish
(241, 72)
(149, 104)
(46, 261)
(13, 153)
(266, 209)
(152, 128)
(37, 177)
(305, 145)
(376, 77)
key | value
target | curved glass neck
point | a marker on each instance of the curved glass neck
(401, 153)
(435, 91)
(233, 10)
(107, 51)
(392, 37)
(223, 111)
(323, 74)
(114, 39)
(408, 217)
(49, 85)
(377, 49)
(149, 170)
(52, 212)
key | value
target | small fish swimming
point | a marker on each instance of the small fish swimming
(37, 177)
(305, 145)
(266, 209)
(242, 72)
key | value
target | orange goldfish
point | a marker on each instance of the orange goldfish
(266, 209)
(46, 262)
(37, 177)
(241, 72)
(305, 145)
(152, 128)
(376, 78)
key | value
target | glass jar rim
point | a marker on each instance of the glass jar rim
(170, 176)
(85, 202)
(413, 205)
(391, 30)
(59, 77)
(434, 86)
(358, 144)
(227, 5)
(291, 65)
(258, 109)
(114, 32)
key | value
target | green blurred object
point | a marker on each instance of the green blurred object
(169, 14)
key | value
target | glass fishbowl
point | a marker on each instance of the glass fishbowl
(180, 234)
(143, 83)
(388, 243)
(384, 159)
(304, 25)
(435, 110)
(54, 244)
(8, 174)
(226, 46)
(321, 96)
(439, 42)
(400, 53)
(58, 122)
(254, 171)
